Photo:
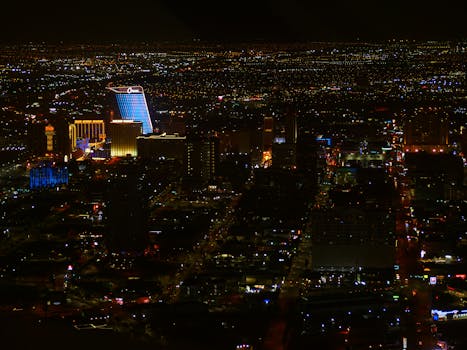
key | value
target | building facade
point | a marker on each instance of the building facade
(162, 147)
(92, 129)
(131, 105)
(47, 175)
(202, 158)
(123, 134)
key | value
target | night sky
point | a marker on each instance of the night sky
(241, 20)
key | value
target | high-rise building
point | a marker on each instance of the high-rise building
(131, 105)
(210, 157)
(61, 136)
(49, 134)
(171, 123)
(357, 233)
(284, 149)
(236, 141)
(434, 178)
(126, 210)
(351, 237)
(427, 129)
(284, 155)
(202, 158)
(306, 156)
(268, 136)
(290, 127)
(123, 134)
(268, 132)
(162, 147)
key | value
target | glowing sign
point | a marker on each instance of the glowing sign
(132, 90)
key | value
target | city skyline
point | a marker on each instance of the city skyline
(254, 196)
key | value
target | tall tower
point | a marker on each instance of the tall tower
(202, 158)
(131, 103)
(290, 127)
(284, 154)
(49, 134)
(210, 158)
(268, 135)
(126, 210)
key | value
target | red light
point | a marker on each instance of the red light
(143, 300)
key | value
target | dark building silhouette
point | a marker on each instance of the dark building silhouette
(464, 140)
(268, 132)
(356, 235)
(352, 237)
(202, 158)
(236, 141)
(306, 154)
(284, 149)
(435, 177)
(291, 130)
(427, 129)
(162, 147)
(235, 168)
(268, 138)
(171, 124)
(37, 141)
(284, 155)
(63, 142)
(126, 208)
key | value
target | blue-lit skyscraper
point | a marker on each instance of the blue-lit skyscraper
(132, 105)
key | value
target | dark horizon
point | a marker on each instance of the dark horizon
(242, 21)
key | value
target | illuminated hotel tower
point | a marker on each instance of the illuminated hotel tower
(50, 133)
(132, 105)
(124, 134)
